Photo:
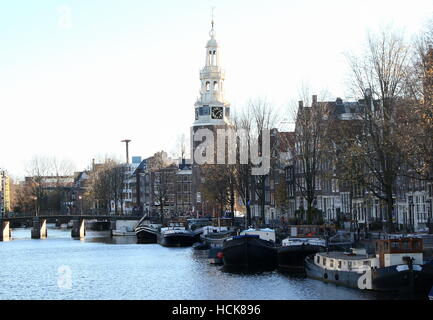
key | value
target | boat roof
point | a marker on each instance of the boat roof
(255, 230)
(344, 256)
(246, 236)
(199, 219)
(303, 239)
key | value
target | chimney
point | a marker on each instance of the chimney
(301, 104)
(314, 100)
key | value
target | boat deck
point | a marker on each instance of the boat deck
(345, 256)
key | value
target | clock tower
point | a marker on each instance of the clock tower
(211, 111)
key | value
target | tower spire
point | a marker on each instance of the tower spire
(212, 31)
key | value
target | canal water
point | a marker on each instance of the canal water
(101, 267)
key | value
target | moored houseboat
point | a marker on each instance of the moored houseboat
(252, 250)
(215, 236)
(176, 236)
(397, 266)
(148, 232)
(293, 251)
(197, 225)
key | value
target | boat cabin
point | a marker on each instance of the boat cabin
(209, 230)
(392, 252)
(303, 241)
(173, 227)
(197, 223)
(355, 261)
(264, 234)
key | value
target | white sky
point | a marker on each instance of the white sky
(76, 77)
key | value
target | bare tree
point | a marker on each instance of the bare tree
(21, 198)
(181, 145)
(215, 186)
(264, 118)
(218, 187)
(162, 170)
(46, 177)
(312, 151)
(117, 176)
(416, 140)
(242, 171)
(99, 187)
(107, 182)
(374, 157)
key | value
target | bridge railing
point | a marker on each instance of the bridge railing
(47, 214)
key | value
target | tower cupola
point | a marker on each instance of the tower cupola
(211, 108)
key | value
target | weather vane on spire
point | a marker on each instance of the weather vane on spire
(212, 32)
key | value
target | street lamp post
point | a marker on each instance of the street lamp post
(81, 200)
(411, 215)
(36, 205)
(127, 141)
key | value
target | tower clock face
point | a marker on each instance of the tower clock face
(196, 113)
(217, 113)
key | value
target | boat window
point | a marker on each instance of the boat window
(339, 264)
(318, 259)
(324, 261)
(416, 245)
(405, 245)
(395, 244)
(386, 247)
(367, 263)
(331, 263)
(349, 264)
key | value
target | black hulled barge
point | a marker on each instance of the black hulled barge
(253, 250)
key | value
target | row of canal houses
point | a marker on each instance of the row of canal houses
(143, 188)
(349, 202)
